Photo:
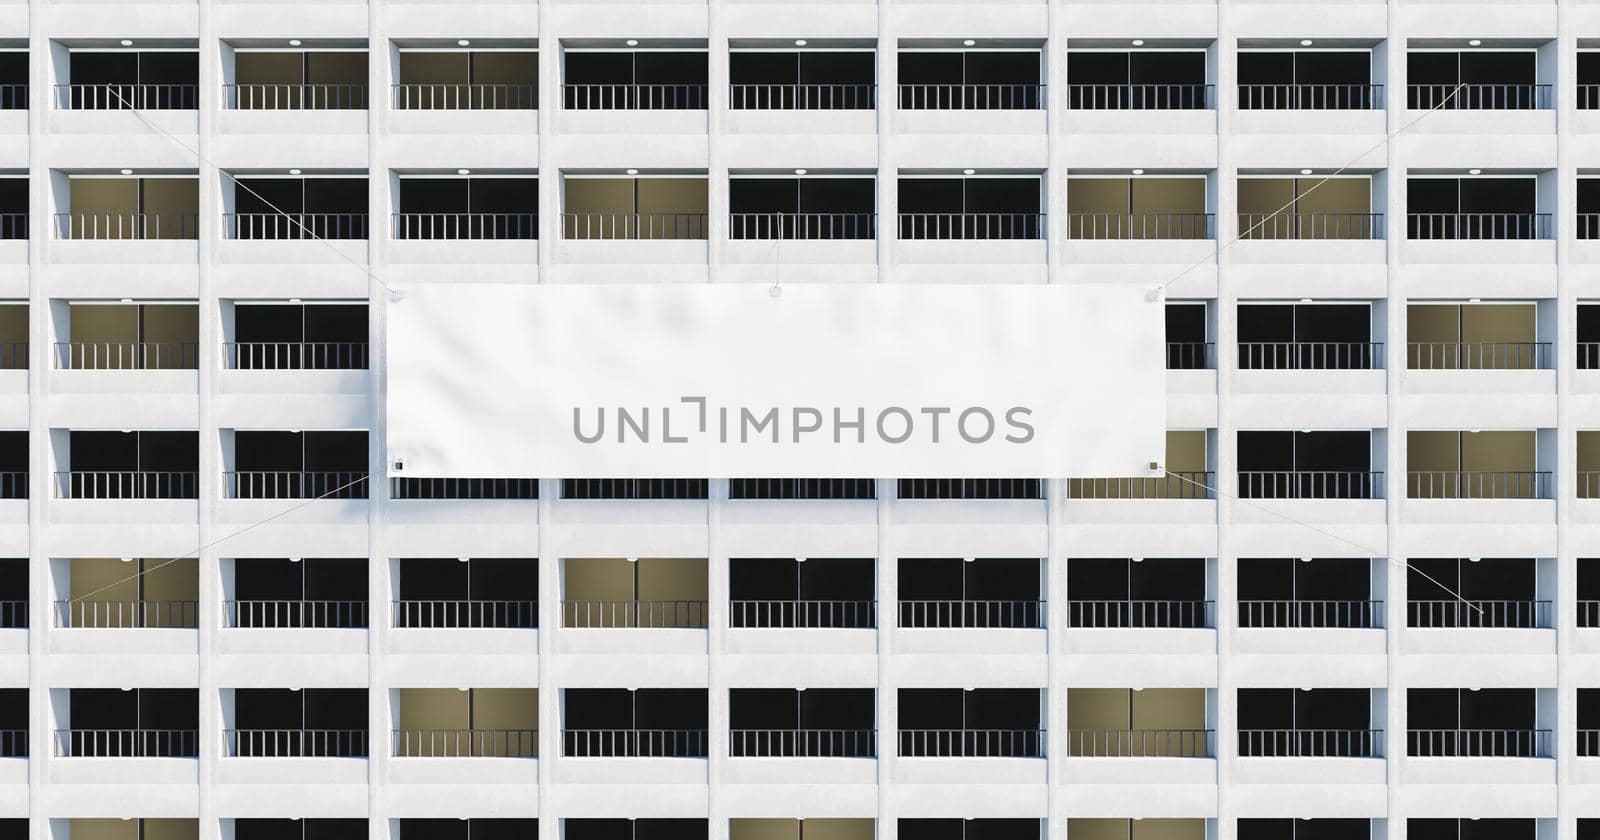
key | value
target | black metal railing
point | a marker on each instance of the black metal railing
(1311, 743)
(127, 355)
(295, 743)
(973, 614)
(520, 489)
(1318, 225)
(280, 614)
(972, 226)
(294, 484)
(1472, 743)
(965, 97)
(1588, 743)
(802, 97)
(126, 484)
(1588, 226)
(969, 488)
(803, 614)
(1154, 225)
(1478, 484)
(466, 226)
(1460, 612)
(672, 613)
(13, 485)
(630, 97)
(295, 225)
(295, 355)
(1311, 484)
(13, 97)
(803, 743)
(514, 615)
(465, 97)
(1191, 355)
(802, 488)
(1173, 485)
(1480, 355)
(972, 743)
(1478, 226)
(13, 615)
(1589, 355)
(116, 225)
(1159, 97)
(1310, 97)
(1588, 613)
(1142, 743)
(1345, 615)
(13, 225)
(466, 743)
(1141, 614)
(108, 614)
(126, 743)
(129, 96)
(633, 225)
(13, 743)
(633, 743)
(295, 97)
(633, 488)
(803, 226)
(1515, 97)
(1310, 355)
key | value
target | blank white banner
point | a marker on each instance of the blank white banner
(720, 380)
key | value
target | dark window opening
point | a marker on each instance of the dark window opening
(1474, 208)
(1319, 828)
(1307, 592)
(501, 592)
(970, 208)
(281, 723)
(969, 488)
(468, 208)
(140, 722)
(1327, 336)
(1472, 829)
(802, 208)
(1320, 722)
(818, 722)
(634, 488)
(276, 336)
(13, 723)
(1476, 592)
(1142, 592)
(1187, 347)
(325, 592)
(13, 592)
(833, 592)
(13, 80)
(643, 80)
(649, 722)
(298, 208)
(14, 465)
(1477, 79)
(802, 488)
(13, 202)
(1307, 465)
(986, 592)
(983, 722)
(620, 829)
(301, 829)
(985, 81)
(1488, 722)
(1311, 79)
(116, 81)
(983, 828)
(803, 80)
(131, 465)
(298, 465)
(1137, 80)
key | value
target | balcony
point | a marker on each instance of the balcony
(987, 593)
(963, 208)
(1461, 723)
(1310, 97)
(1479, 226)
(637, 593)
(132, 723)
(285, 225)
(748, 96)
(278, 81)
(303, 723)
(1479, 484)
(969, 488)
(1307, 723)
(481, 593)
(1168, 593)
(127, 97)
(467, 80)
(476, 723)
(953, 80)
(1147, 723)
(802, 488)
(298, 593)
(464, 488)
(293, 484)
(975, 723)
(1155, 97)
(816, 593)
(102, 226)
(297, 465)
(126, 743)
(625, 80)
(1310, 484)
(128, 208)
(1153, 79)
(1311, 743)
(634, 723)
(817, 723)
(1477, 743)
(1494, 97)
(634, 488)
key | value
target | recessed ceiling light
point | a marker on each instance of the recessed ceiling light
(1138, 42)
(1474, 43)
(969, 43)
(127, 171)
(294, 42)
(799, 172)
(463, 172)
(1138, 171)
(1305, 172)
(1474, 171)
(294, 172)
(126, 42)
(632, 171)
(799, 42)
(1305, 42)
(463, 42)
(969, 172)
(632, 42)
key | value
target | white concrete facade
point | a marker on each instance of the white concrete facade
(1556, 145)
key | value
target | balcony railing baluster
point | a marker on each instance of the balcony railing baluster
(803, 614)
(466, 614)
(1478, 613)
(295, 613)
(1154, 225)
(972, 613)
(1310, 484)
(465, 743)
(1311, 613)
(1318, 97)
(1136, 614)
(1468, 743)
(1480, 355)
(465, 97)
(623, 613)
(1142, 743)
(1478, 484)
(1310, 355)
(972, 743)
(1163, 97)
(803, 743)
(295, 355)
(802, 97)
(634, 743)
(1311, 743)
(971, 97)
(295, 97)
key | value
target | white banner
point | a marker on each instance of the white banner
(730, 380)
